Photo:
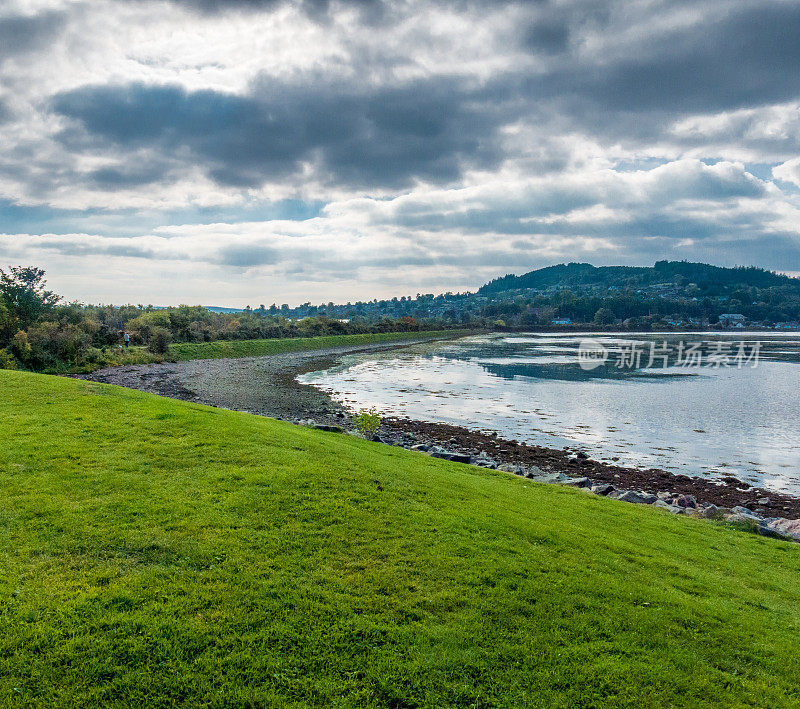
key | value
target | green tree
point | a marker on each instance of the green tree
(604, 316)
(23, 290)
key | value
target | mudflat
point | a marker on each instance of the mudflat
(264, 385)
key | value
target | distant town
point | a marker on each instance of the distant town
(671, 294)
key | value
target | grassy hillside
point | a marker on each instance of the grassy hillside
(156, 553)
(253, 348)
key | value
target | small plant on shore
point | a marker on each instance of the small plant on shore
(367, 422)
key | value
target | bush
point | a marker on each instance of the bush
(7, 360)
(367, 422)
(159, 341)
(20, 346)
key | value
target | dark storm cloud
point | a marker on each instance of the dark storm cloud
(23, 33)
(433, 128)
(108, 247)
(370, 11)
(247, 255)
(550, 36)
(121, 178)
(387, 137)
(748, 58)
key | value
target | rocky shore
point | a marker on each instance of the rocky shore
(766, 512)
(268, 386)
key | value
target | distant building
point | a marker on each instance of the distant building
(732, 320)
(562, 321)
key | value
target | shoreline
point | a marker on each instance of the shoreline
(273, 391)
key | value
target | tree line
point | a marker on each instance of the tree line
(41, 332)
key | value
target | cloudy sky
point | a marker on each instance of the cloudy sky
(259, 151)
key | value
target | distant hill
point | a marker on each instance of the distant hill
(220, 309)
(582, 275)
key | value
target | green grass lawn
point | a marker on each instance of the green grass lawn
(159, 553)
(219, 349)
(253, 348)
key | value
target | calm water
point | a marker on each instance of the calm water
(666, 412)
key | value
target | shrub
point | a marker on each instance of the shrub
(20, 346)
(159, 341)
(367, 422)
(7, 360)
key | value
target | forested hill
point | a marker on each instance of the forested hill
(581, 275)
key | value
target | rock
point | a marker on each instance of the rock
(507, 468)
(552, 478)
(449, 455)
(638, 498)
(578, 482)
(739, 510)
(325, 427)
(708, 511)
(684, 501)
(602, 489)
(423, 447)
(788, 528)
(484, 460)
(670, 508)
(437, 452)
(763, 501)
(741, 517)
(665, 495)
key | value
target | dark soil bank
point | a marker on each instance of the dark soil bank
(268, 386)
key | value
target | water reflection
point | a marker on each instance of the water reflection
(708, 420)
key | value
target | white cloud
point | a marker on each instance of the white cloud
(577, 178)
(449, 239)
(788, 171)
